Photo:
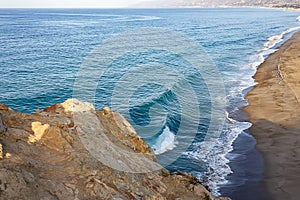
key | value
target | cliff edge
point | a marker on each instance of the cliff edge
(44, 156)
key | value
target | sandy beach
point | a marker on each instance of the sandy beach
(274, 112)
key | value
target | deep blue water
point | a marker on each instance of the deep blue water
(43, 50)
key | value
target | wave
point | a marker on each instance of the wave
(228, 118)
(157, 114)
(257, 61)
(165, 142)
(274, 40)
(102, 19)
(104, 16)
(211, 152)
(141, 18)
(217, 159)
(214, 154)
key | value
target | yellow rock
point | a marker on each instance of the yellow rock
(106, 110)
(1, 152)
(38, 130)
(74, 105)
(8, 155)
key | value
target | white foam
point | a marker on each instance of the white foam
(272, 41)
(165, 142)
(259, 60)
(217, 163)
(228, 118)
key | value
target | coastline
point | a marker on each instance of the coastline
(274, 112)
(248, 167)
(279, 7)
(248, 77)
(246, 161)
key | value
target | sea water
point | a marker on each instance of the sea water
(42, 51)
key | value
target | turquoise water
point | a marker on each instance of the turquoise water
(42, 51)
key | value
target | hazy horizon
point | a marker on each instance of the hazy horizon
(68, 3)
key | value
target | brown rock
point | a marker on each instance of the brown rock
(2, 126)
(3, 107)
(56, 163)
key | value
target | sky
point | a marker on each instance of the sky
(67, 3)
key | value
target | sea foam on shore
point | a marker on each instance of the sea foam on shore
(234, 117)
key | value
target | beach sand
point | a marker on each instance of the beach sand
(274, 111)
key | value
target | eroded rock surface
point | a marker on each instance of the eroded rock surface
(2, 126)
(44, 157)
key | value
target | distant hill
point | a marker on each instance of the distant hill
(219, 3)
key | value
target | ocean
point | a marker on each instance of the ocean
(178, 75)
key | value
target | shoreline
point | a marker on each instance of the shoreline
(247, 165)
(274, 112)
(244, 158)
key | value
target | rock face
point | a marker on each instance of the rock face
(45, 156)
(2, 126)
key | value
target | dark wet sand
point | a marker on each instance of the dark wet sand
(247, 166)
(274, 111)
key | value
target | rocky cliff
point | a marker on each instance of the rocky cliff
(44, 156)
